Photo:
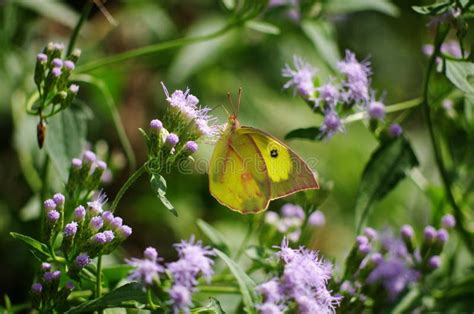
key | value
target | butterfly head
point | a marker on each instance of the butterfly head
(233, 122)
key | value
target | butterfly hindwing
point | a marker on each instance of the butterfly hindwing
(237, 176)
(288, 173)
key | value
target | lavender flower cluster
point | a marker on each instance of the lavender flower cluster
(338, 97)
(52, 77)
(302, 282)
(194, 262)
(47, 293)
(85, 174)
(292, 219)
(186, 122)
(381, 266)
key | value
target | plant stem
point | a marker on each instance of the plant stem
(98, 282)
(149, 50)
(392, 108)
(464, 233)
(137, 174)
(85, 13)
(152, 305)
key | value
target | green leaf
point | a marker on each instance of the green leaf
(322, 36)
(65, 139)
(114, 273)
(348, 6)
(216, 238)
(54, 10)
(386, 167)
(34, 244)
(432, 9)
(129, 295)
(263, 27)
(461, 74)
(229, 4)
(246, 284)
(313, 134)
(214, 306)
(158, 184)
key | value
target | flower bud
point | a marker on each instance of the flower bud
(53, 216)
(271, 218)
(45, 266)
(407, 234)
(395, 130)
(370, 233)
(70, 230)
(434, 262)
(79, 213)
(69, 65)
(40, 68)
(150, 253)
(364, 249)
(49, 204)
(317, 219)
(172, 139)
(429, 234)
(376, 110)
(107, 217)
(156, 125)
(36, 288)
(448, 221)
(362, 240)
(75, 55)
(95, 224)
(116, 222)
(190, 147)
(57, 63)
(82, 260)
(124, 232)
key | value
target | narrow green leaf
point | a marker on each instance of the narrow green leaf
(129, 295)
(158, 184)
(432, 9)
(54, 10)
(65, 139)
(348, 6)
(461, 74)
(34, 244)
(216, 238)
(246, 284)
(263, 27)
(313, 134)
(214, 306)
(115, 273)
(386, 167)
(322, 35)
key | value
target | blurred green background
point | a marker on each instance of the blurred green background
(242, 57)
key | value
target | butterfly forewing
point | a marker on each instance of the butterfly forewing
(237, 176)
(288, 173)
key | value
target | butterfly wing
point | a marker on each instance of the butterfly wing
(238, 176)
(288, 173)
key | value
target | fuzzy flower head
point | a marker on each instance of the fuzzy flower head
(332, 124)
(317, 219)
(329, 94)
(301, 77)
(146, 269)
(357, 77)
(197, 257)
(376, 110)
(96, 205)
(181, 298)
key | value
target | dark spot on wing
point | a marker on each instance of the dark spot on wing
(274, 153)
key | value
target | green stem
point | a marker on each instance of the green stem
(75, 33)
(137, 174)
(464, 233)
(389, 109)
(149, 50)
(149, 297)
(98, 282)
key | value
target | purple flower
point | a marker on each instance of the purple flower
(96, 223)
(442, 236)
(146, 270)
(69, 286)
(56, 72)
(101, 165)
(331, 125)
(36, 288)
(376, 258)
(79, 213)
(301, 78)
(82, 260)
(74, 89)
(376, 110)
(89, 157)
(427, 50)
(395, 130)
(292, 211)
(76, 163)
(172, 139)
(361, 239)
(270, 291)
(393, 275)
(434, 262)
(329, 94)
(41, 57)
(197, 259)
(364, 249)
(156, 125)
(271, 218)
(69, 65)
(45, 266)
(191, 147)
(59, 199)
(269, 308)
(124, 231)
(109, 236)
(53, 216)
(57, 63)
(99, 238)
(95, 206)
(317, 219)
(107, 217)
(452, 48)
(70, 229)
(370, 233)
(49, 204)
(116, 222)
(448, 221)
(181, 298)
(354, 70)
(429, 233)
(51, 275)
(407, 232)
(151, 254)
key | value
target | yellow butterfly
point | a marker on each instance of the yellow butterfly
(249, 168)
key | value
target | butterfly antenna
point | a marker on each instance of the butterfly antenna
(239, 97)
(229, 98)
(217, 106)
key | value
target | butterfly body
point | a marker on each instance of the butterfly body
(249, 168)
